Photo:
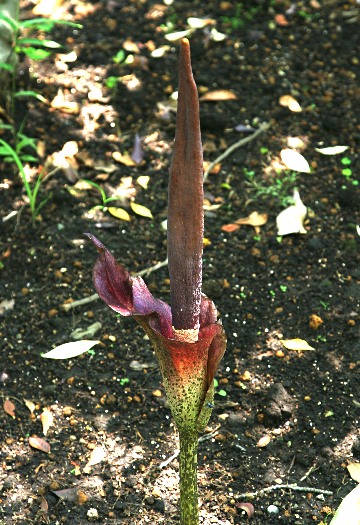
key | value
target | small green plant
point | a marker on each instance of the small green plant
(277, 187)
(32, 191)
(242, 16)
(347, 171)
(105, 200)
(220, 392)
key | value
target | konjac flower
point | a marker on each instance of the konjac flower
(188, 340)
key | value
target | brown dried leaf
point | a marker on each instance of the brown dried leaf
(67, 494)
(39, 444)
(67, 106)
(9, 408)
(47, 420)
(217, 95)
(229, 228)
(281, 20)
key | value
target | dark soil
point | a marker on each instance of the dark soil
(266, 289)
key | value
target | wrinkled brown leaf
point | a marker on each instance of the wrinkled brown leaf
(218, 95)
(39, 444)
(9, 408)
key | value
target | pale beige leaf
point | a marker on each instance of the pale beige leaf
(9, 408)
(143, 181)
(47, 420)
(139, 209)
(332, 150)
(254, 219)
(218, 95)
(291, 220)
(178, 35)
(39, 444)
(98, 454)
(263, 441)
(294, 161)
(296, 344)
(354, 471)
(200, 23)
(30, 405)
(69, 350)
(348, 513)
(123, 159)
(6, 304)
(119, 213)
(287, 101)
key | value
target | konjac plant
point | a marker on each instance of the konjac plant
(188, 339)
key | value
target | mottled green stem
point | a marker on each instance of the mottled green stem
(189, 513)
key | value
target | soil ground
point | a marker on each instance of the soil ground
(301, 406)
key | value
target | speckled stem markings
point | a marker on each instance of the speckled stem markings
(189, 512)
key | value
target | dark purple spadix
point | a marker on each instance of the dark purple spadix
(185, 211)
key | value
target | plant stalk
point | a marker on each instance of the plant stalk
(189, 512)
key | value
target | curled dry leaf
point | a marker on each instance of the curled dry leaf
(39, 444)
(294, 161)
(297, 344)
(123, 159)
(287, 101)
(247, 507)
(200, 23)
(9, 408)
(217, 95)
(47, 420)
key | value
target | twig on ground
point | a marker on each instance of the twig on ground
(233, 147)
(291, 486)
(91, 298)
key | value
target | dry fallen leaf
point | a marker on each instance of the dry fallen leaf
(67, 106)
(123, 159)
(254, 219)
(332, 150)
(119, 213)
(294, 161)
(141, 210)
(30, 405)
(263, 441)
(354, 471)
(229, 228)
(217, 95)
(39, 444)
(292, 218)
(287, 101)
(296, 344)
(97, 456)
(9, 408)
(47, 420)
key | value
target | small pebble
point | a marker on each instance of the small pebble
(273, 509)
(92, 515)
